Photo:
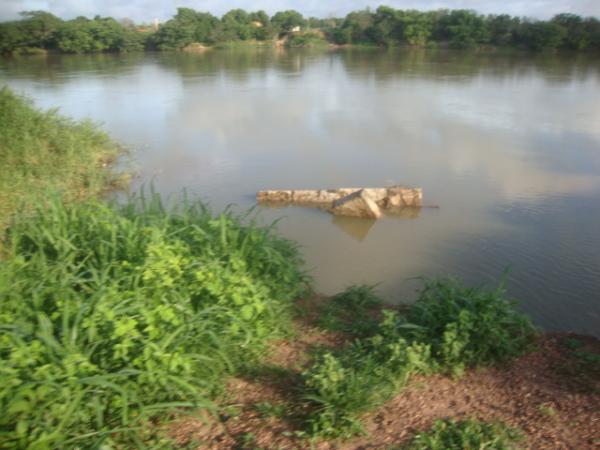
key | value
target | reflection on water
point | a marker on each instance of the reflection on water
(507, 144)
(353, 227)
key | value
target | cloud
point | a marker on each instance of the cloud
(145, 10)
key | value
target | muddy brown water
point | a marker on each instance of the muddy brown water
(507, 144)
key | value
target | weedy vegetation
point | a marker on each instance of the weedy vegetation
(351, 311)
(467, 326)
(450, 328)
(583, 365)
(466, 435)
(42, 151)
(111, 314)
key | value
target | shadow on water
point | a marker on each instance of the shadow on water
(355, 228)
(358, 229)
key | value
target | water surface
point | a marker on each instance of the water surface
(507, 145)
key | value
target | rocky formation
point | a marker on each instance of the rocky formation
(352, 202)
(358, 204)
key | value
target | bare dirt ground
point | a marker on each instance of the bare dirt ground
(551, 394)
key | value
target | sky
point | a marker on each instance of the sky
(146, 10)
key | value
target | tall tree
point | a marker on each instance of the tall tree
(541, 35)
(464, 28)
(38, 28)
(502, 29)
(417, 27)
(286, 21)
(576, 36)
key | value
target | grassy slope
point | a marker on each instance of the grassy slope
(110, 314)
(42, 151)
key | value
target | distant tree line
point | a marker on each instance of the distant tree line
(464, 29)
(385, 26)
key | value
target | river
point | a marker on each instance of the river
(508, 145)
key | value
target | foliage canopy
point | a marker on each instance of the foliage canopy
(384, 26)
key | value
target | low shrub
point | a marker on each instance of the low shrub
(109, 314)
(468, 326)
(449, 328)
(466, 435)
(351, 311)
(362, 375)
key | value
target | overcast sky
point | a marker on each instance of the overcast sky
(144, 10)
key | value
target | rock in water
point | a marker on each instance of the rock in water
(399, 197)
(358, 204)
(353, 202)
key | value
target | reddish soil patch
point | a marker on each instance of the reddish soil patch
(550, 394)
(532, 393)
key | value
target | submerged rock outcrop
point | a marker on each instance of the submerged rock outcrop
(358, 204)
(366, 203)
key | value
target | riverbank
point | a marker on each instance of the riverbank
(43, 151)
(551, 394)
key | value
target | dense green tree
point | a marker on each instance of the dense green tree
(10, 37)
(577, 36)
(260, 17)
(417, 27)
(35, 29)
(131, 40)
(359, 26)
(237, 25)
(542, 35)
(385, 26)
(38, 28)
(502, 29)
(186, 27)
(286, 21)
(172, 36)
(261, 24)
(74, 36)
(341, 35)
(463, 28)
(592, 25)
(102, 34)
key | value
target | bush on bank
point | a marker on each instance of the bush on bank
(466, 434)
(451, 327)
(110, 314)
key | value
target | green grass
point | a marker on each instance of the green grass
(110, 315)
(468, 326)
(267, 409)
(582, 367)
(42, 151)
(450, 327)
(342, 385)
(351, 311)
(466, 435)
